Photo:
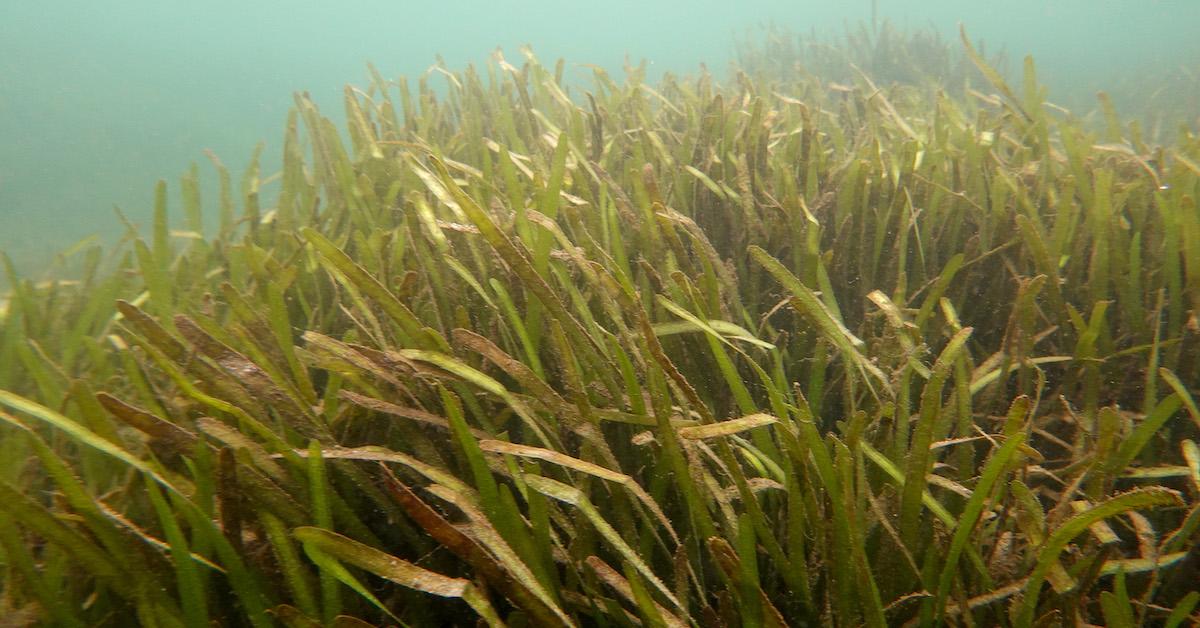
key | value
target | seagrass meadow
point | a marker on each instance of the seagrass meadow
(868, 337)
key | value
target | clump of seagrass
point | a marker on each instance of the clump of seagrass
(771, 352)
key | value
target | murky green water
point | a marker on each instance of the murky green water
(98, 100)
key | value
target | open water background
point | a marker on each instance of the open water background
(98, 99)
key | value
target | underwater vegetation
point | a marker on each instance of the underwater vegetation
(886, 53)
(1156, 102)
(778, 350)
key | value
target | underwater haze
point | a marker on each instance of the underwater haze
(100, 99)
